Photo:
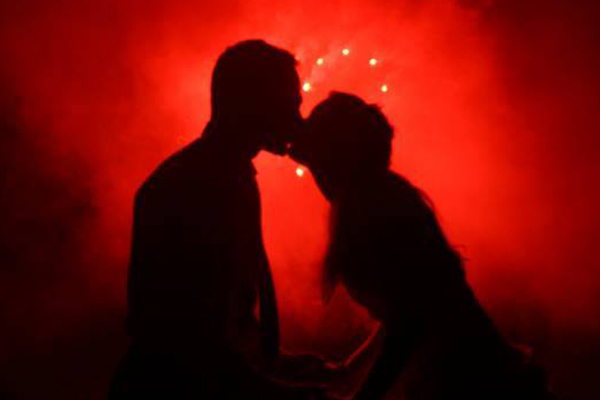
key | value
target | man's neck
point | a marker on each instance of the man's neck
(219, 136)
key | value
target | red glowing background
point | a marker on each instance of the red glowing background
(495, 106)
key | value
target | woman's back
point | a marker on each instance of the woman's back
(389, 250)
(385, 238)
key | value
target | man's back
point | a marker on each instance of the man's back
(197, 259)
(198, 262)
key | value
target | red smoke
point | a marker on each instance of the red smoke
(495, 109)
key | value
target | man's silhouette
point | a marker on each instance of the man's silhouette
(201, 304)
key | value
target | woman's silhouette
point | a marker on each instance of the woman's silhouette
(388, 250)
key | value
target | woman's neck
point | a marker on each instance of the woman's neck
(359, 183)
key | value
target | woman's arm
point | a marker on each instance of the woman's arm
(388, 366)
(366, 352)
(351, 373)
(339, 379)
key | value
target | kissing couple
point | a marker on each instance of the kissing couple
(202, 312)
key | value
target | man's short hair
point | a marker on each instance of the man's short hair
(244, 72)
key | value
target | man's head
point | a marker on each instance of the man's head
(256, 90)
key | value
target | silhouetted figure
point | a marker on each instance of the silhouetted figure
(389, 251)
(198, 269)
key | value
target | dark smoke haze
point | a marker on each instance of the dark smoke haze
(496, 108)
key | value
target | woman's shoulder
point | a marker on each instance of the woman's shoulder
(391, 201)
(398, 197)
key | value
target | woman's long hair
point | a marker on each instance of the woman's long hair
(347, 136)
(384, 249)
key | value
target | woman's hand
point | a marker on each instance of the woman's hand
(306, 369)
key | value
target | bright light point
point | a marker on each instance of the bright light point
(373, 62)
(299, 172)
(306, 87)
(346, 51)
(384, 88)
(320, 61)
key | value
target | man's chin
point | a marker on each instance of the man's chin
(277, 149)
(293, 154)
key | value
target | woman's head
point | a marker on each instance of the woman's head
(344, 138)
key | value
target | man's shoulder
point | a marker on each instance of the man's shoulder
(189, 162)
(196, 169)
(185, 167)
